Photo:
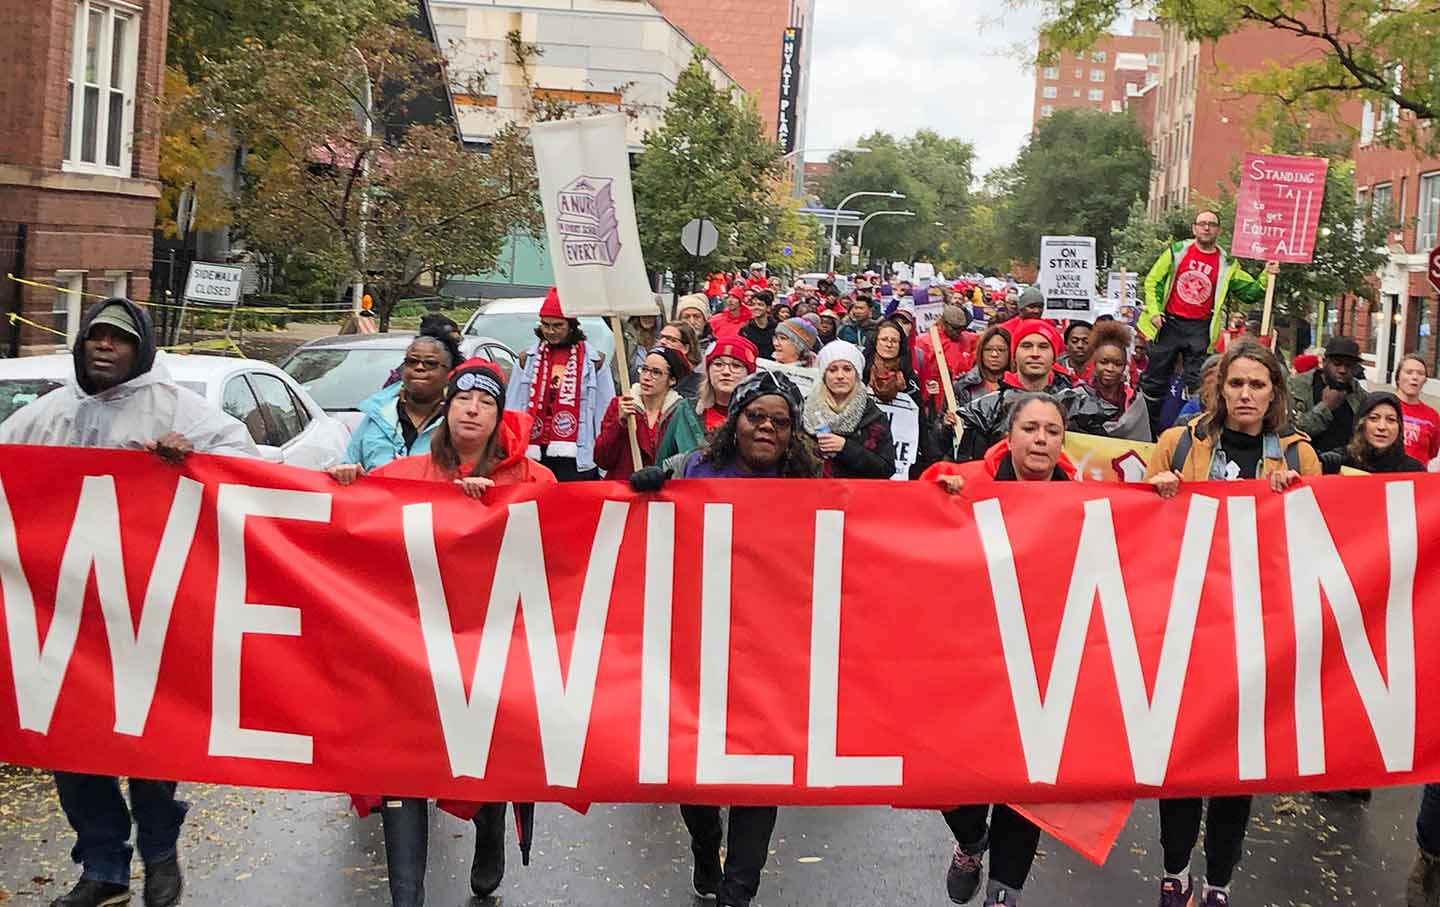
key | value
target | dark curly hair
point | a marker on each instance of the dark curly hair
(798, 461)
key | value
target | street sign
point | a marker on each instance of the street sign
(787, 251)
(699, 237)
(213, 283)
(1435, 268)
(1278, 210)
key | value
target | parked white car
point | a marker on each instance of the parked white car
(341, 371)
(285, 423)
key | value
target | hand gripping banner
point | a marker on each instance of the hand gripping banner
(787, 642)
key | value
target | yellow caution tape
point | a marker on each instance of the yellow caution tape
(191, 307)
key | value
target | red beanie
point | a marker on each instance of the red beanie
(738, 291)
(551, 308)
(1036, 326)
(736, 347)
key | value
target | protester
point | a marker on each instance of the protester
(991, 363)
(121, 397)
(851, 433)
(640, 337)
(1032, 450)
(563, 387)
(1076, 338)
(782, 310)
(829, 327)
(652, 405)
(858, 326)
(1209, 379)
(1234, 330)
(1244, 434)
(695, 311)
(729, 320)
(1185, 295)
(1106, 375)
(678, 336)
(760, 329)
(757, 279)
(1422, 888)
(1422, 422)
(1379, 442)
(796, 341)
(728, 363)
(760, 438)
(478, 446)
(443, 328)
(399, 420)
(958, 346)
(1324, 402)
(889, 366)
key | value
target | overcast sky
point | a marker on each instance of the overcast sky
(902, 65)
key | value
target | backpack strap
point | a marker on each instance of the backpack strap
(1292, 457)
(1182, 450)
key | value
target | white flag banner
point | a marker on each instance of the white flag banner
(584, 170)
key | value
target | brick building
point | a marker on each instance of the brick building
(1102, 78)
(79, 129)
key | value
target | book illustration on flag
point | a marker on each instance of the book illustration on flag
(588, 226)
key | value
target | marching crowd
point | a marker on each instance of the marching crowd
(754, 380)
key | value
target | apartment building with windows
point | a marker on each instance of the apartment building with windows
(1102, 78)
(80, 84)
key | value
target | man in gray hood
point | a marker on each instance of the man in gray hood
(121, 397)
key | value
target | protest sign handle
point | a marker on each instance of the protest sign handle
(622, 362)
(946, 382)
(1269, 307)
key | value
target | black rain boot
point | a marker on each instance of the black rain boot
(488, 869)
(407, 833)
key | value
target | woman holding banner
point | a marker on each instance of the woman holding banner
(477, 446)
(1032, 451)
(852, 433)
(1379, 442)
(759, 439)
(1244, 434)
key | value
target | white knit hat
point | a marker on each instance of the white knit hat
(837, 350)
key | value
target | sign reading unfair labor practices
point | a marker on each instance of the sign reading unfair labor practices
(584, 171)
(1277, 213)
(1067, 276)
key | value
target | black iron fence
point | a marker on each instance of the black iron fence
(12, 261)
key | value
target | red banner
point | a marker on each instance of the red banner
(1278, 209)
(790, 642)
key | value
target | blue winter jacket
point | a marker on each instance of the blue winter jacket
(377, 439)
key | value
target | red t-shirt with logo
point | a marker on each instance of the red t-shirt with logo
(1192, 295)
(1422, 431)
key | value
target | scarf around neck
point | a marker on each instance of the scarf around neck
(821, 411)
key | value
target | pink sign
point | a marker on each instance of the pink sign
(1278, 210)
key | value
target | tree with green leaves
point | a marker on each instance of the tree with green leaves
(1079, 175)
(1367, 50)
(710, 158)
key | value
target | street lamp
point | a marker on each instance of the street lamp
(835, 221)
(860, 238)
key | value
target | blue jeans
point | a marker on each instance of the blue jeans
(1427, 823)
(96, 810)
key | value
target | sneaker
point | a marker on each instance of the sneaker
(1422, 889)
(1173, 895)
(705, 880)
(163, 883)
(1215, 898)
(90, 893)
(962, 879)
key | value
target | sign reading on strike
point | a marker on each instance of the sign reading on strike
(1067, 276)
(1278, 211)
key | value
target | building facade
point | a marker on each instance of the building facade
(80, 84)
(1102, 78)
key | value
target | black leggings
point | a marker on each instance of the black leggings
(1013, 840)
(746, 850)
(1225, 823)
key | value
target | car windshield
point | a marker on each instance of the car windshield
(16, 392)
(338, 379)
(517, 331)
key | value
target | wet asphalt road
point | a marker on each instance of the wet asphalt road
(264, 847)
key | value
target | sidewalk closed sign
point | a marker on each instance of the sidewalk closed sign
(213, 283)
(1067, 276)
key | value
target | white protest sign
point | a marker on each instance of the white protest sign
(904, 418)
(213, 283)
(1067, 276)
(584, 171)
(803, 377)
(926, 315)
(1132, 286)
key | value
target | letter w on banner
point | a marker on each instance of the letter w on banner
(584, 170)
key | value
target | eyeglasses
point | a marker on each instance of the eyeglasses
(654, 372)
(672, 338)
(724, 365)
(758, 418)
(422, 365)
(1207, 223)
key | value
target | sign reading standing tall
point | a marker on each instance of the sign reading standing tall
(789, 90)
(1277, 213)
(1067, 276)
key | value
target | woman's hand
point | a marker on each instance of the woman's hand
(830, 444)
(932, 388)
(1281, 479)
(950, 419)
(952, 484)
(1167, 483)
(345, 473)
(629, 407)
(475, 486)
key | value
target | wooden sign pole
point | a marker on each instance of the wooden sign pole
(623, 362)
(1269, 308)
(946, 382)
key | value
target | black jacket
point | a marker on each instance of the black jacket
(985, 417)
(1393, 460)
(869, 451)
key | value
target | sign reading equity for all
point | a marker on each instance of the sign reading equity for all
(1067, 276)
(1277, 213)
(213, 283)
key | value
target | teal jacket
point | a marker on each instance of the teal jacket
(1232, 277)
(377, 439)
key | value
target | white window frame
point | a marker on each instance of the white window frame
(1116, 107)
(1389, 191)
(1427, 225)
(1096, 94)
(119, 283)
(69, 302)
(1047, 110)
(1367, 123)
(1097, 75)
(1098, 56)
(1052, 72)
(130, 49)
(1049, 91)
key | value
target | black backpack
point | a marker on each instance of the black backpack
(1187, 440)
